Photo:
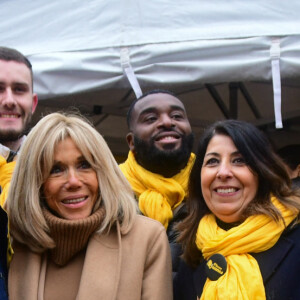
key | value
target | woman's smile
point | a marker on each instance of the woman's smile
(228, 184)
(71, 189)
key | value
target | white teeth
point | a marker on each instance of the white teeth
(226, 191)
(168, 138)
(9, 116)
(73, 200)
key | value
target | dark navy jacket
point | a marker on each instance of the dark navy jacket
(3, 255)
(279, 266)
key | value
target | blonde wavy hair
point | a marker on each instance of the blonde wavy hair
(35, 161)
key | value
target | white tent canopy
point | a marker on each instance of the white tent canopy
(81, 50)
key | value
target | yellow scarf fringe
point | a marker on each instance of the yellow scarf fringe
(242, 279)
(158, 196)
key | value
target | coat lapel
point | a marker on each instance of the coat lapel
(271, 259)
(102, 267)
(25, 268)
(199, 279)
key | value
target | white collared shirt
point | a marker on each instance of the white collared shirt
(4, 151)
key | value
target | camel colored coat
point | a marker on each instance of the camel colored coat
(124, 267)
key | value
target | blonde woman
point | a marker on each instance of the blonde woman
(74, 223)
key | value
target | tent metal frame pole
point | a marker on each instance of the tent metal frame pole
(217, 98)
(249, 100)
(233, 100)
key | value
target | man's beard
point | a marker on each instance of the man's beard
(11, 135)
(163, 162)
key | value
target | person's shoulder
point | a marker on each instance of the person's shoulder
(145, 227)
(146, 232)
(143, 222)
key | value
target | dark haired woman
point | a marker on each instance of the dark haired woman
(241, 238)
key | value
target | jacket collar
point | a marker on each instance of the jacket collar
(268, 262)
(5, 151)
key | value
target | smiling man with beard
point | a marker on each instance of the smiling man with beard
(160, 139)
(17, 104)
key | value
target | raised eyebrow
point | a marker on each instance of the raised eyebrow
(23, 84)
(148, 110)
(176, 107)
(56, 162)
(81, 158)
(212, 154)
(236, 153)
(217, 154)
(153, 109)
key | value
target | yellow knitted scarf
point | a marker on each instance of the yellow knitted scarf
(243, 279)
(157, 195)
(6, 171)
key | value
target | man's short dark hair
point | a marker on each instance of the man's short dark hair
(10, 54)
(151, 92)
